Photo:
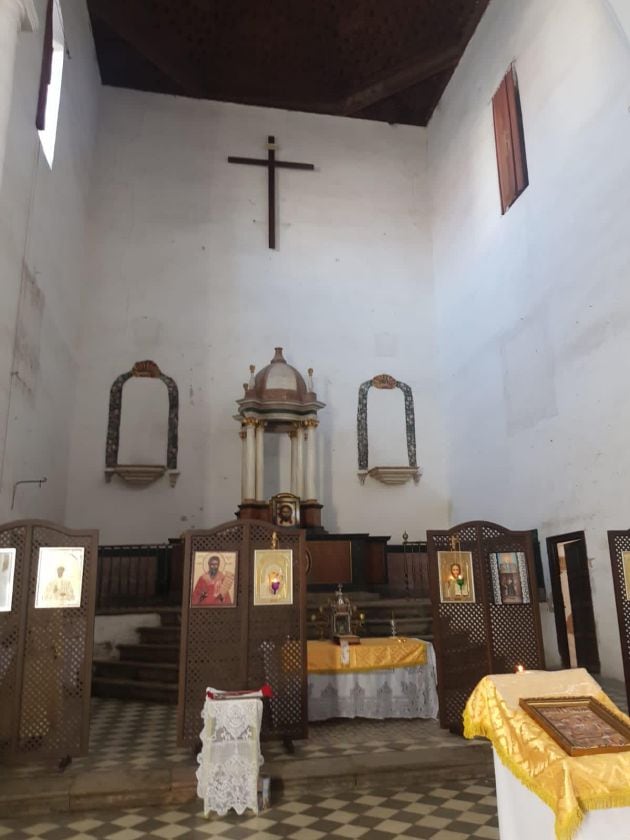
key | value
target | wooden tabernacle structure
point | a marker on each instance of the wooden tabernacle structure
(482, 632)
(243, 645)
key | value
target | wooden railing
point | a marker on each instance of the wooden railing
(408, 569)
(136, 576)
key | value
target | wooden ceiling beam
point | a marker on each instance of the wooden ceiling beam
(124, 21)
(400, 79)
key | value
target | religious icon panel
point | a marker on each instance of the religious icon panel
(214, 579)
(285, 510)
(59, 577)
(273, 577)
(456, 577)
(508, 570)
(7, 571)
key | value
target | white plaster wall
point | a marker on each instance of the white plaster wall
(534, 307)
(113, 630)
(180, 273)
(42, 267)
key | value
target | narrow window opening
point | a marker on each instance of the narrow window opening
(50, 82)
(510, 140)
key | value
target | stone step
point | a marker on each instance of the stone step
(149, 653)
(150, 692)
(125, 787)
(159, 635)
(379, 770)
(162, 672)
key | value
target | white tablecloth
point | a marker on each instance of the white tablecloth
(227, 776)
(393, 693)
(523, 816)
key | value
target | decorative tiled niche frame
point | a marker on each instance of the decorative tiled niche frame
(141, 473)
(387, 474)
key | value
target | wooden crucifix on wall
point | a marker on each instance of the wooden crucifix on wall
(272, 164)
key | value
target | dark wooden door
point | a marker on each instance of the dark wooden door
(582, 606)
(583, 619)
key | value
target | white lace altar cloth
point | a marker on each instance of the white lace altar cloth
(391, 693)
(227, 776)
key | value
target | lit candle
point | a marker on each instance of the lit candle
(275, 583)
(520, 669)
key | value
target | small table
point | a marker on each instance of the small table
(564, 796)
(230, 755)
(391, 677)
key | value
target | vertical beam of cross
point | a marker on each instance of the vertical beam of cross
(272, 164)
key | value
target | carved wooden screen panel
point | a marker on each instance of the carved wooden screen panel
(475, 639)
(515, 630)
(222, 646)
(619, 543)
(12, 633)
(212, 637)
(460, 629)
(56, 684)
(277, 641)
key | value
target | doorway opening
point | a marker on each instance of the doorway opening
(573, 602)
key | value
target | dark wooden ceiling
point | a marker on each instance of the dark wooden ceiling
(386, 60)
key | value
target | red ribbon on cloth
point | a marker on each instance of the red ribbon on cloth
(217, 694)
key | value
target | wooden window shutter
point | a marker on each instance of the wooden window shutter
(509, 140)
(44, 79)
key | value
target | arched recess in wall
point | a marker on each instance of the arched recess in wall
(142, 473)
(389, 473)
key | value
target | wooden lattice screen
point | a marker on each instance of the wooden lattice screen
(45, 654)
(484, 637)
(240, 647)
(619, 544)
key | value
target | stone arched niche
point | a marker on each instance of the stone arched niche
(142, 473)
(387, 473)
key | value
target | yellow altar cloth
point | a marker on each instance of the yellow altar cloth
(569, 786)
(324, 657)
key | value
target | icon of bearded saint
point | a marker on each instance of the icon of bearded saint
(213, 587)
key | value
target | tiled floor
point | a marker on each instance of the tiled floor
(142, 736)
(457, 812)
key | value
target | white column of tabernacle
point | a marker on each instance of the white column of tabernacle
(299, 460)
(260, 460)
(250, 459)
(15, 15)
(293, 435)
(310, 492)
(243, 437)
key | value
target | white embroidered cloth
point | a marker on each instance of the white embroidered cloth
(392, 693)
(227, 776)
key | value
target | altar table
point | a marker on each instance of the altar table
(382, 678)
(542, 792)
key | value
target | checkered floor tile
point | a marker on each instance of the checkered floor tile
(454, 812)
(142, 736)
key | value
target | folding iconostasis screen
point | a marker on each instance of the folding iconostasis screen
(47, 598)
(244, 623)
(619, 544)
(485, 609)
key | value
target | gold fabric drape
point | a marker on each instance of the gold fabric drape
(569, 786)
(324, 657)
